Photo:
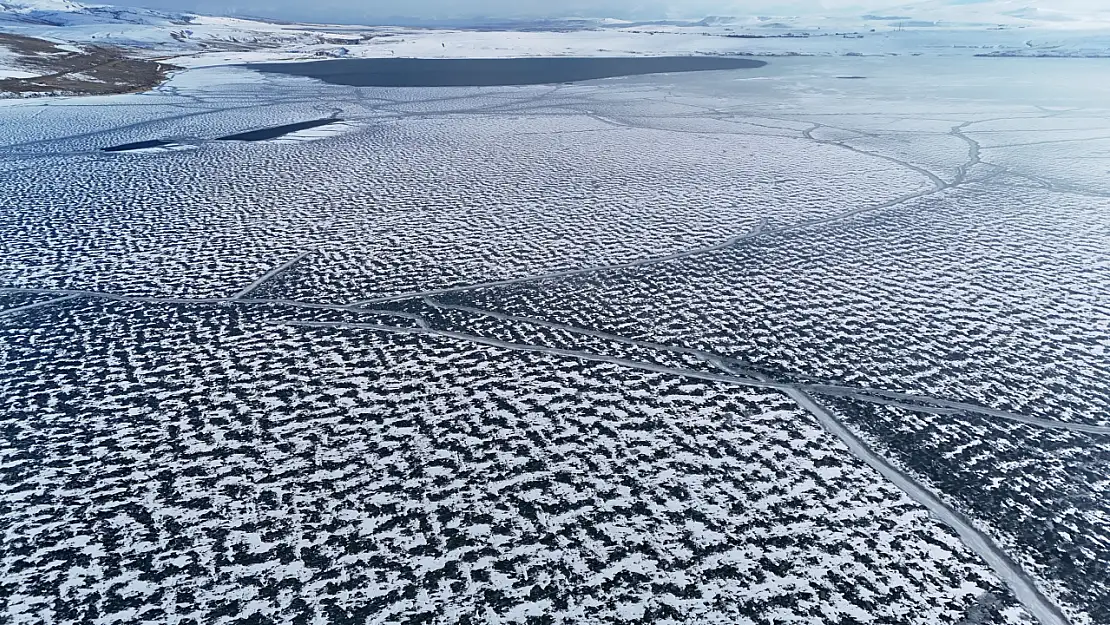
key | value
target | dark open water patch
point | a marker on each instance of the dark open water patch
(138, 145)
(495, 72)
(264, 134)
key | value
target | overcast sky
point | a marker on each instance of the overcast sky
(369, 11)
(363, 10)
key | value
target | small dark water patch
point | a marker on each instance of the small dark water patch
(495, 72)
(852, 77)
(278, 131)
(138, 145)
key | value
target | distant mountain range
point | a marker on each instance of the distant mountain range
(30, 6)
(66, 13)
(942, 27)
(1074, 14)
(1078, 13)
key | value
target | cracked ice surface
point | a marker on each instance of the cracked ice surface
(498, 354)
(1044, 494)
(976, 294)
(408, 200)
(197, 462)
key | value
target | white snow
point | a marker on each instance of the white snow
(995, 27)
(10, 67)
(30, 6)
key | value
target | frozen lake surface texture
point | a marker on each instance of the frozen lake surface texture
(812, 341)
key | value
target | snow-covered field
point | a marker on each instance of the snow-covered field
(10, 67)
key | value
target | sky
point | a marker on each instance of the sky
(363, 10)
(370, 11)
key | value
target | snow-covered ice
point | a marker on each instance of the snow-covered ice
(478, 354)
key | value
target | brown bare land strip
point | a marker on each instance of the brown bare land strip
(95, 70)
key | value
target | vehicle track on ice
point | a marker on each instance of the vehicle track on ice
(1020, 582)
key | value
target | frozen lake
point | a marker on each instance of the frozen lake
(397, 72)
(797, 342)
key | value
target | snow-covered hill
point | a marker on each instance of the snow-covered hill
(60, 13)
(143, 30)
(1049, 14)
(42, 6)
(880, 14)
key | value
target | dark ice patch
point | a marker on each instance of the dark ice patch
(394, 72)
(264, 134)
(138, 145)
